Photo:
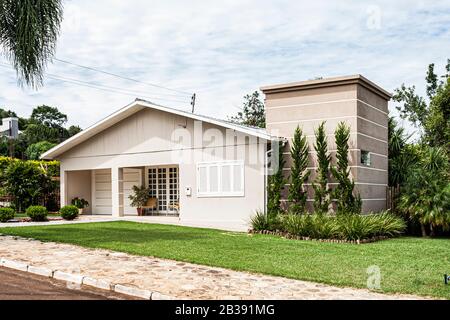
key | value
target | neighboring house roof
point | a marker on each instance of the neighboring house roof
(139, 105)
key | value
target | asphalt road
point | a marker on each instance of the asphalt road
(18, 285)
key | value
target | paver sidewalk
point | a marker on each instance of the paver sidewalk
(178, 279)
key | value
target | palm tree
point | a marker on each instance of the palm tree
(426, 194)
(28, 34)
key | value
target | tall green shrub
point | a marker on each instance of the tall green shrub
(320, 185)
(26, 182)
(46, 187)
(275, 182)
(346, 200)
(299, 172)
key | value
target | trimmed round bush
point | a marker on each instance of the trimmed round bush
(6, 214)
(69, 212)
(37, 213)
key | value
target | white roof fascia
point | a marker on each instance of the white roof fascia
(140, 105)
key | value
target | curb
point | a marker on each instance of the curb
(85, 280)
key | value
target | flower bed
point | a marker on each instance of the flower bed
(346, 228)
(294, 237)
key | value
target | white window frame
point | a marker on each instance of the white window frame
(220, 165)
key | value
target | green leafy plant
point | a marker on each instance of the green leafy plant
(26, 182)
(80, 203)
(261, 221)
(346, 200)
(425, 196)
(28, 34)
(37, 213)
(299, 172)
(69, 212)
(140, 196)
(321, 190)
(345, 227)
(6, 214)
(253, 112)
(34, 151)
(276, 182)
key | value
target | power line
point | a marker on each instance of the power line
(121, 77)
(101, 87)
(80, 83)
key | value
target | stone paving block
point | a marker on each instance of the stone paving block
(150, 278)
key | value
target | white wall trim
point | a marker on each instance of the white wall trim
(326, 119)
(358, 167)
(353, 149)
(327, 102)
(351, 133)
(312, 200)
(356, 183)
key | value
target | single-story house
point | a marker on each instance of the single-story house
(206, 171)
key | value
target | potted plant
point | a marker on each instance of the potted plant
(139, 198)
(80, 203)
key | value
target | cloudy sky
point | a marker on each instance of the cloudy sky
(222, 50)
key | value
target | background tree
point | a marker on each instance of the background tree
(34, 151)
(28, 34)
(253, 113)
(347, 202)
(432, 115)
(321, 190)
(48, 116)
(275, 183)
(402, 155)
(73, 130)
(4, 113)
(299, 172)
(44, 127)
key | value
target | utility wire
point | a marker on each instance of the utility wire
(101, 87)
(121, 77)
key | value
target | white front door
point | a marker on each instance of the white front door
(131, 177)
(163, 184)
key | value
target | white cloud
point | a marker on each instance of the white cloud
(224, 50)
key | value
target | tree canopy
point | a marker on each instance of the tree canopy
(431, 114)
(43, 130)
(253, 113)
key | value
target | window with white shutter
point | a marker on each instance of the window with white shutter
(220, 179)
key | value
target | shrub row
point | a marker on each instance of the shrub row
(39, 213)
(344, 227)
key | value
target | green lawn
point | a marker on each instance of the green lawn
(408, 265)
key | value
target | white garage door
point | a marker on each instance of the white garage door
(102, 203)
(131, 177)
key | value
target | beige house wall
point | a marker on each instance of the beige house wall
(362, 105)
(80, 186)
(145, 139)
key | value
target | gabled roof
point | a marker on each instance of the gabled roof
(139, 105)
